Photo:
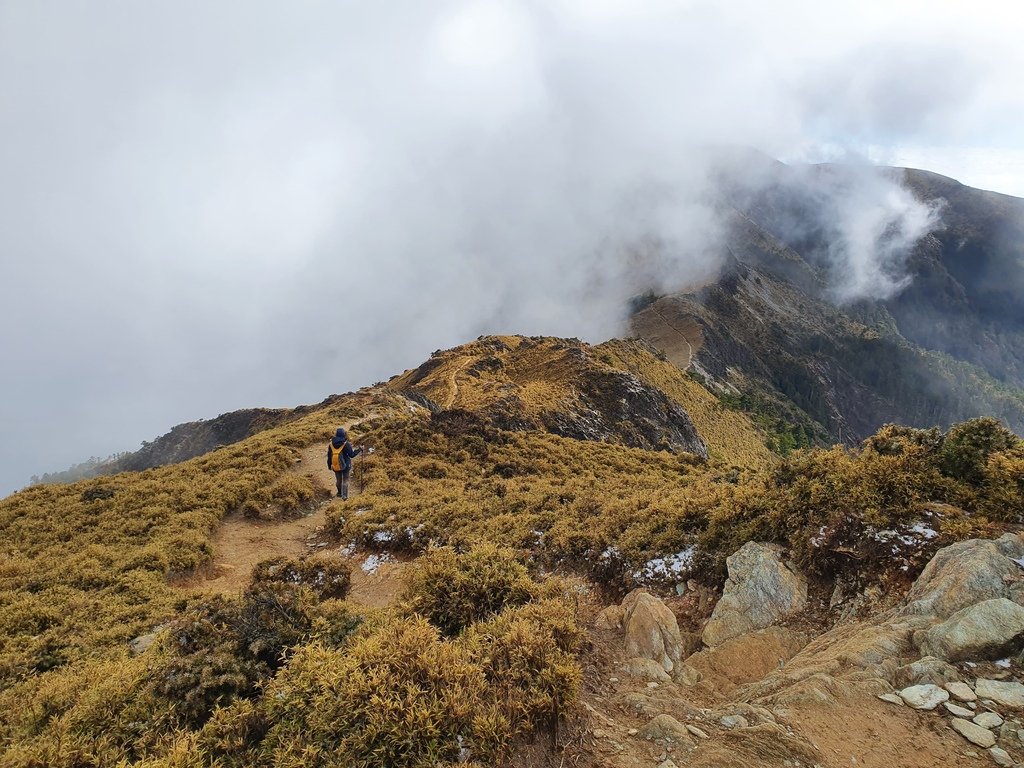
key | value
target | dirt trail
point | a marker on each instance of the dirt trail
(453, 385)
(679, 337)
(240, 543)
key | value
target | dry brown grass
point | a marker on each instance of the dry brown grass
(85, 567)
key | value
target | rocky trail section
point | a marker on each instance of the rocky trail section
(865, 692)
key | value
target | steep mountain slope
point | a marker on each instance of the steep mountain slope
(620, 391)
(771, 333)
(965, 299)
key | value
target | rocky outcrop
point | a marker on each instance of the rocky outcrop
(967, 573)
(986, 630)
(651, 630)
(564, 386)
(926, 670)
(761, 591)
(618, 405)
(142, 643)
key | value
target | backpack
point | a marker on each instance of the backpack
(338, 463)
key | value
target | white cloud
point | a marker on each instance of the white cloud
(203, 209)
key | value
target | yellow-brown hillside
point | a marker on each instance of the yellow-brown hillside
(527, 379)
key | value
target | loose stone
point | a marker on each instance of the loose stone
(975, 734)
(988, 720)
(957, 711)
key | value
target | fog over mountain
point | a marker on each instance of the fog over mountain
(209, 206)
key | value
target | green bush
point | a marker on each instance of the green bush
(207, 664)
(968, 445)
(529, 656)
(94, 714)
(453, 590)
(325, 577)
(1003, 497)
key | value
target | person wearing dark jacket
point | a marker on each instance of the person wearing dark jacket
(339, 459)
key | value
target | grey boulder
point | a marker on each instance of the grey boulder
(761, 591)
(987, 630)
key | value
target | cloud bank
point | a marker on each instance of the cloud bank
(205, 207)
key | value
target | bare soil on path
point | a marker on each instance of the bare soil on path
(240, 543)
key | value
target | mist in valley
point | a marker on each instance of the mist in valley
(207, 207)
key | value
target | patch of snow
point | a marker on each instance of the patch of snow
(923, 530)
(611, 553)
(383, 537)
(819, 538)
(373, 562)
(348, 549)
(910, 537)
(1019, 561)
(668, 567)
(1004, 663)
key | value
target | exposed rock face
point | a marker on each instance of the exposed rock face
(926, 670)
(651, 630)
(142, 643)
(884, 651)
(967, 573)
(734, 721)
(687, 675)
(987, 630)
(618, 404)
(761, 590)
(586, 397)
(610, 618)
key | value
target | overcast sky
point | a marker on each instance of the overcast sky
(207, 206)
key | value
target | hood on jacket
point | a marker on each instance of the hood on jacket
(339, 437)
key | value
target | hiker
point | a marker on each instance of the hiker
(339, 459)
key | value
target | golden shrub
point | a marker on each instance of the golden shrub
(453, 590)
